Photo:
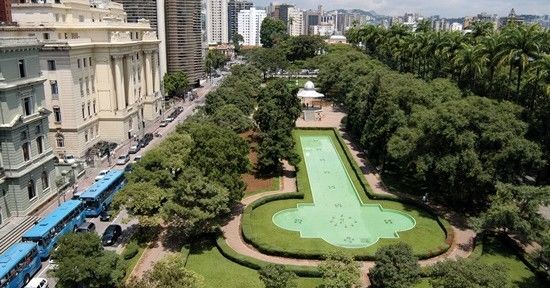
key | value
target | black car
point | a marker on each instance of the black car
(128, 168)
(146, 139)
(111, 234)
(104, 216)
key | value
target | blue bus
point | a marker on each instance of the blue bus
(100, 195)
(18, 265)
(64, 219)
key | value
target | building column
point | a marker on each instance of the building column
(149, 73)
(130, 96)
(119, 82)
(156, 71)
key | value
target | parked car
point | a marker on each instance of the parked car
(101, 175)
(104, 216)
(88, 227)
(37, 283)
(69, 159)
(111, 234)
(128, 168)
(122, 159)
(169, 119)
(146, 139)
(164, 123)
(137, 158)
(134, 148)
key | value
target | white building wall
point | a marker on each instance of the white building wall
(295, 21)
(249, 24)
(216, 21)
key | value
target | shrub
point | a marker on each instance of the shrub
(131, 250)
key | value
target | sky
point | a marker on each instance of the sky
(444, 8)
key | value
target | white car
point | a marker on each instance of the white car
(137, 158)
(37, 283)
(101, 175)
(122, 159)
(69, 159)
(163, 123)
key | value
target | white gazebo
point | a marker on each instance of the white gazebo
(311, 102)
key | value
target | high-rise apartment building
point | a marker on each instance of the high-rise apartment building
(102, 73)
(249, 24)
(27, 177)
(137, 9)
(5, 11)
(183, 38)
(295, 21)
(233, 9)
(283, 12)
(216, 21)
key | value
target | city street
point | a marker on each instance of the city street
(128, 225)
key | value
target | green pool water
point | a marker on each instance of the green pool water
(337, 214)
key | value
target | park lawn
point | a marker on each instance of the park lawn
(219, 271)
(426, 238)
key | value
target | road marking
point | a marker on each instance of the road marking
(45, 269)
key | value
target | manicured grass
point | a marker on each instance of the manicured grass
(425, 239)
(131, 263)
(218, 271)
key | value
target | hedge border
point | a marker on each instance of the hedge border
(252, 263)
(358, 173)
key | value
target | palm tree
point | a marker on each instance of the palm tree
(482, 28)
(488, 52)
(467, 66)
(521, 46)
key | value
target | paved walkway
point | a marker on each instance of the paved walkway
(463, 237)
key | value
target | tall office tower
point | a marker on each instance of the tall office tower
(26, 158)
(5, 11)
(233, 8)
(183, 38)
(137, 9)
(283, 12)
(311, 17)
(102, 73)
(216, 21)
(295, 21)
(249, 24)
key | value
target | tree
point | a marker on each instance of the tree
(143, 199)
(82, 262)
(214, 60)
(465, 273)
(276, 276)
(269, 60)
(303, 47)
(272, 32)
(175, 83)
(516, 209)
(170, 272)
(231, 117)
(237, 39)
(339, 271)
(395, 267)
(424, 25)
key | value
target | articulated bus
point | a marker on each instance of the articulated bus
(64, 219)
(100, 195)
(18, 265)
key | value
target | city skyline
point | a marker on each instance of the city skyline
(449, 9)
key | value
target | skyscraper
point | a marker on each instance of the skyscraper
(249, 24)
(216, 21)
(183, 38)
(233, 8)
(137, 9)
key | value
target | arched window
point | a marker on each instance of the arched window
(30, 190)
(60, 140)
(45, 181)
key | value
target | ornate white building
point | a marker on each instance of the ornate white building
(103, 78)
(249, 24)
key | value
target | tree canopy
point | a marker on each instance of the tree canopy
(395, 267)
(170, 272)
(340, 271)
(175, 83)
(272, 31)
(276, 276)
(464, 273)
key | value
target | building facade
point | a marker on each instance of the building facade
(5, 11)
(26, 159)
(184, 47)
(249, 24)
(102, 73)
(233, 9)
(295, 22)
(216, 21)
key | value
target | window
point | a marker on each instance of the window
(46, 36)
(87, 85)
(85, 62)
(60, 140)
(23, 135)
(45, 181)
(56, 17)
(97, 129)
(90, 61)
(27, 106)
(26, 151)
(39, 144)
(30, 190)
(86, 136)
(81, 87)
(77, 62)
(92, 132)
(51, 65)
(88, 108)
(57, 114)
(80, 18)
(22, 72)
(54, 88)
(83, 116)
(38, 129)
(93, 83)
(94, 106)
